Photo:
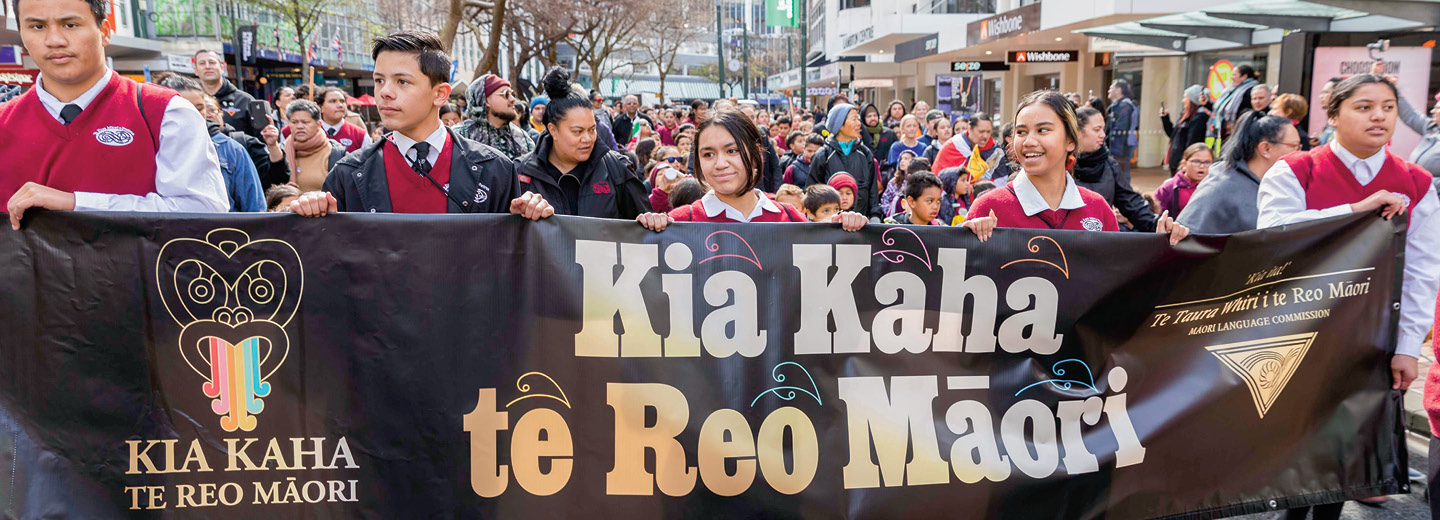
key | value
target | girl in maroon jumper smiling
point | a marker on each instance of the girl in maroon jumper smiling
(727, 157)
(1045, 196)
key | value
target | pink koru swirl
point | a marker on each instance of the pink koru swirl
(899, 254)
(715, 247)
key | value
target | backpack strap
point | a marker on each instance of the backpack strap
(792, 214)
(140, 103)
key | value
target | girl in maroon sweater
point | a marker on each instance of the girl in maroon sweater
(728, 158)
(1045, 196)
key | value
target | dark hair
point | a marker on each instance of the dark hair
(180, 84)
(303, 105)
(919, 164)
(980, 188)
(644, 148)
(794, 134)
(451, 108)
(1006, 131)
(815, 139)
(817, 195)
(1084, 114)
(698, 104)
(325, 92)
(276, 193)
(562, 98)
(98, 9)
(981, 116)
(918, 182)
(686, 192)
(425, 46)
(1124, 86)
(1094, 102)
(1240, 147)
(1245, 70)
(746, 136)
(784, 120)
(1062, 107)
(1347, 89)
(303, 91)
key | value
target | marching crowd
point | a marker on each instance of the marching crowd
(86, 138)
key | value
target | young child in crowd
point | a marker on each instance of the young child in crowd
(790, 194)
(821, 202)
(923, 192)
(845, 184)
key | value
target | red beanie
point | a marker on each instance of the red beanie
(493, 83)
(844, 180)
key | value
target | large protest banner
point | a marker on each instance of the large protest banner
(363, 366)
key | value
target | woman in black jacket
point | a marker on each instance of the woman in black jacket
(1098, 171)
(1192, 125)
(573, 169)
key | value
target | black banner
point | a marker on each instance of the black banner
(397, 366)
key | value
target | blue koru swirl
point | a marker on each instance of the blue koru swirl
(786, 392)
(1066, 384)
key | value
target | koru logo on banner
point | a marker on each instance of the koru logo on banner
(233, 297)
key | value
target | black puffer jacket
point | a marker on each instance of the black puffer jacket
(860, 164)
(1100, 173)
(481, 179)
(604, 186)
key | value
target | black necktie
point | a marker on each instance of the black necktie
(422, 158)
(69, 113)
(330, 132)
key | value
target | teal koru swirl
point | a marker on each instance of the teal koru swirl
(1066, 384)
(788, 392)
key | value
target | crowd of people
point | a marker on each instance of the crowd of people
(1240, 160)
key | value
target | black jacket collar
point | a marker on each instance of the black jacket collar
(467, 158)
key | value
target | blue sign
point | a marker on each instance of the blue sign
(147, 73)
(11, 55)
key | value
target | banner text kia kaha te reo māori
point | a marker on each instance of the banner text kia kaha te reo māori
(437, 366)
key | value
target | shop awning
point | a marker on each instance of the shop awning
(1261, 22)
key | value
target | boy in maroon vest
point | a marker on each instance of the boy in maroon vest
(421, 166)
(86, 138)
(1355, 173)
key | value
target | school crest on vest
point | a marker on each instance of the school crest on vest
(115, 136)
(482, 193)
(1092, 224)
(345, 141)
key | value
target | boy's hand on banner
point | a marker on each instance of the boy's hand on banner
(315, 204)
(33, 195)
(1389, 204)
(849, 220)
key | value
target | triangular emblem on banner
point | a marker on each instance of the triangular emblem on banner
(1265, 364)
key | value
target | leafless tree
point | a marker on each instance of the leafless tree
(678, 23)
(605, 28)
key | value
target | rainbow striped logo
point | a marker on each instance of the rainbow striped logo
(233, 297)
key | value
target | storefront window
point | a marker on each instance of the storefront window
(850, 4)
(1198, 67)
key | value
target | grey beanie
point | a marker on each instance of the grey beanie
(836, 118)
